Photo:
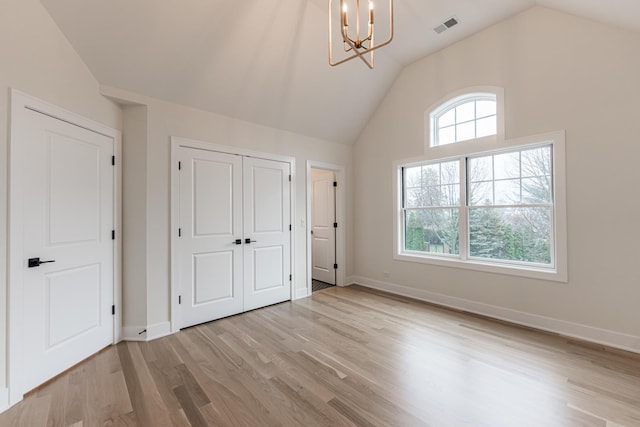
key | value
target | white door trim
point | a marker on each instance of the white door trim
(20, 103)
(339, 170)
(176, 143)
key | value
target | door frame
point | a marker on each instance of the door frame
(20, 103)
(339, 170)
(176, 144)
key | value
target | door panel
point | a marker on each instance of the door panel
(67, 217)
(269, 268)
(213, 198)
(267, 188)
(323, 243)
(213, 277)
(266, 225)
(63, 290)
(76, 186)
(210, 266)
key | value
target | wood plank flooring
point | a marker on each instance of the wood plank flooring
(345, 357)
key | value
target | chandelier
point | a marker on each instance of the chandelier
(355, 44)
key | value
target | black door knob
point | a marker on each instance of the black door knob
(35, 262)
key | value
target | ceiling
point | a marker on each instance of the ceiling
(266, 61)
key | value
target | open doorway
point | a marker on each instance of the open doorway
(325, 226)
(323, 229)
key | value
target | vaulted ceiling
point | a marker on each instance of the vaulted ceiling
(265, 61)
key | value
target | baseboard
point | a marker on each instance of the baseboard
(4, 399)
(148, 333)
(562, 327)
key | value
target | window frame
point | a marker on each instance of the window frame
(476, 148)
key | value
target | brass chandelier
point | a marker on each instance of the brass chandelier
(353, 43)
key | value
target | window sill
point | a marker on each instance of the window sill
(556, 275)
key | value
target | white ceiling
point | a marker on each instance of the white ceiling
(266, 61)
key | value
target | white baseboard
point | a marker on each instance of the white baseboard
(148, 333)
(562, 327)
(4, 399)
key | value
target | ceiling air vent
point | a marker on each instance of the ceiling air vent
(446, 25)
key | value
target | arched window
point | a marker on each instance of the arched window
(469, 116)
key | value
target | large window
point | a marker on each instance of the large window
(494, 210)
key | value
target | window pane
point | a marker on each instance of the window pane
(536, 190)
(481, 193)
(431, 196)
(431, 174)
(536, 162)
(485, 108)
(465, 131)
(446, 135)
(466, 112)
(413, 176)
(507, 192)
(506, 165)
(481, 169)
(486, 127)
(432, 231)
(448, 118)
(450, 172)
(413, 198)
(450, 195)
(513, 234)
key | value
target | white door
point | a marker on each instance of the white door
(267, 232)
(67, 216)
(323, 216)
(210, 245)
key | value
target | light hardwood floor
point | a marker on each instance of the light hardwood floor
(346, 356)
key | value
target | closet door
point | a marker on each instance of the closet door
(267, 244)
(210, 245)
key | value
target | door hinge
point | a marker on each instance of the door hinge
(335, 266)
(179, 299)
(113, 234)
(335, 183)
(335, 225)
(179, 165)
(113, 160)
(179, 232)
(290, 227)
(113, 310)
(289, 177)
(290, 277)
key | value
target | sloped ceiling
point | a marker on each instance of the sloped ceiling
(265, 61)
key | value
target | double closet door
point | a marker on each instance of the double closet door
(235, 239)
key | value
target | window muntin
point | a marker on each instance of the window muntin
(470, 116)
(507, 210)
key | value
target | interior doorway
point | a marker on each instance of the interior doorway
(325, 225)
(323, 229)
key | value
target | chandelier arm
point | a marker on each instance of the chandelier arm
(358, 53)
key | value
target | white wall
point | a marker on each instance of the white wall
(558, 72)
(134, 216)
(166, 120)
(36, 58)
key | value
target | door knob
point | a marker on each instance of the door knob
(35, 262)
(247, 241)
(237, 242)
